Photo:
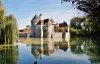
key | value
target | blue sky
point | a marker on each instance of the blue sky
(24, 10)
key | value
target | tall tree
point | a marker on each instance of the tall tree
(91, 8)
(76, 22)
(2, 24)
(8, 27)
(11, 30)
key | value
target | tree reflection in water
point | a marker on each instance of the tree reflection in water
(91, 47)
(8, 54)
(78, 46)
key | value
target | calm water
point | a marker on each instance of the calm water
(52, 51)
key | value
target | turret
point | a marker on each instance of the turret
(41, 17)
(52, 20)
(34, 17)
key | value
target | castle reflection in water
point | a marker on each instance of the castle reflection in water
(48, 46)
(36, 50)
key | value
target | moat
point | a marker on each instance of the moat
(49, 51)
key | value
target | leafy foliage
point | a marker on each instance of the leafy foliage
(92, 10)
(28, 27)
(76, 22)
(8, 27)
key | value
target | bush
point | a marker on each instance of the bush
(60, 30)
(74, 31)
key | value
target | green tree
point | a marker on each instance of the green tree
(92, 10)
(8, 27)
(77, 26)
(28, 27)
(11, 30)
(76, 22)
(2, 23)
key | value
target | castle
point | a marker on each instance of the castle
(45, 28)
(41, 27)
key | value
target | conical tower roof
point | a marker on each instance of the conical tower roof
(40, 14)
(35, 17)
